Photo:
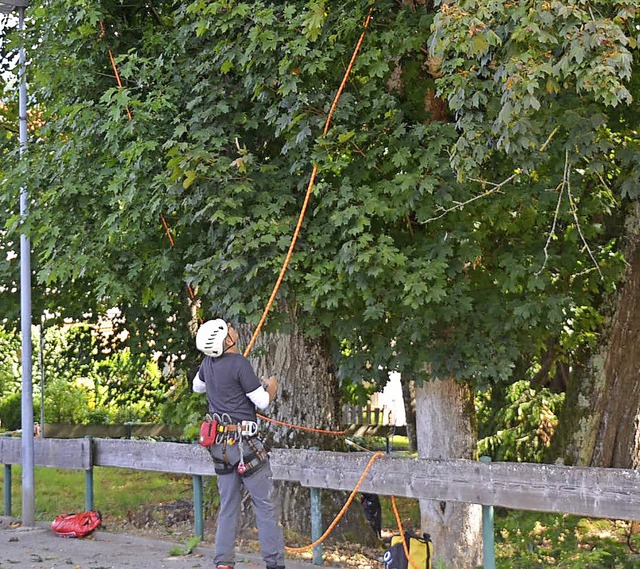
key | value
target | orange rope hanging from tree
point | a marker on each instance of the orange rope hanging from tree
(296, 233)
(312, 180)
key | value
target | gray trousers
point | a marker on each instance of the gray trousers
(260, 488)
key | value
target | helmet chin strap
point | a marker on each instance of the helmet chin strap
(229, 346)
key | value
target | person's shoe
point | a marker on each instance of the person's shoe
(275, 567)
(224, 566)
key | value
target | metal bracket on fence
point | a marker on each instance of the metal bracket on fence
(316, 524)
(88, 489)
(88, 479)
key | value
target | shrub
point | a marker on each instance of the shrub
(11, 411)
(519, 423)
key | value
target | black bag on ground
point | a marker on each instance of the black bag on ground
(420, 551)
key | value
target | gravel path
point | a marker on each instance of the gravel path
(40, 548)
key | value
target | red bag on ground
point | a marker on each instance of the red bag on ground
(76, 525)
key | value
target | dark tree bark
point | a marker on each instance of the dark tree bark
(600, 422)
(409, 399)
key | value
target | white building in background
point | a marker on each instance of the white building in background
(390, 399)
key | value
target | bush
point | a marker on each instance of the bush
(65, 402)
(11, 411)
(517, 424)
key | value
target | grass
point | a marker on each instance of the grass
(534, 539)
(116, 490)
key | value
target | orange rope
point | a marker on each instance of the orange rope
(296, 233)
(342, 511)
(401, 530)
(285, 265)
(166, 228)
(115, 68)
(300, 427)
(190, 291)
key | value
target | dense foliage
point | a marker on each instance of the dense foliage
(475, 262)
(517, 423)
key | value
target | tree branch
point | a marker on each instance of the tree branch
(8, 127)
(496, 188)
(566, 183)
(574, 212)
(556, 214)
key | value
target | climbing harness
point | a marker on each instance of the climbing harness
(219, 429)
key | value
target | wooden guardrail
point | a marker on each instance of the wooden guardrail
(594, 492)
(71, 454)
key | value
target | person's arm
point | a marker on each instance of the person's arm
(264, 395)
(198, 385)
(260, 398)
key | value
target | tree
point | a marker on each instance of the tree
(545, 87)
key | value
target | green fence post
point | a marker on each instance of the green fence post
(488, 541)
(88, 489)
(7, 490)
(316, 524)
(88, 479)
(197, 506)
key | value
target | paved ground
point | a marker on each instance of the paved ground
(40, 548)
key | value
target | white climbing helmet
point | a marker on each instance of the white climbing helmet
(210, 337)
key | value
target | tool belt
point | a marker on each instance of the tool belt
(233, 446)
(217, 427)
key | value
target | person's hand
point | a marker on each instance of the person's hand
(271, 386)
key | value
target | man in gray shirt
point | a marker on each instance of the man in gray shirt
(233, 392)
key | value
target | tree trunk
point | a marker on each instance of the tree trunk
(409, 399)
(445, 421)
(307, 393)
(601, 417)
(307, 396)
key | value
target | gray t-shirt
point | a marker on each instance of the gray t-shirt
(228, 379)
